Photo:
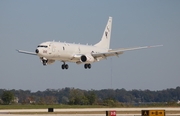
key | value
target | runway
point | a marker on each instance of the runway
(86, 112)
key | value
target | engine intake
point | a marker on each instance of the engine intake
(83, 58)
(88, 58)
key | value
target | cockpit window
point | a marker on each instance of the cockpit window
(43, 46)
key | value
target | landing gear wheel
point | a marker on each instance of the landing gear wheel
(87, 66)
(44, 62)
(64, 66)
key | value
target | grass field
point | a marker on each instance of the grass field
(48, 106)
(59, 106)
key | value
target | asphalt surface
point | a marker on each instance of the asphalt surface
(34, 111)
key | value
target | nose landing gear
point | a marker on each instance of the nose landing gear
(44, 62)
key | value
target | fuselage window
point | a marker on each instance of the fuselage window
(63, 48)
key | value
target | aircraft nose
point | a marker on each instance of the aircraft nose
(37, 51)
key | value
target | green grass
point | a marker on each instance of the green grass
(58, 106)
(19, 106)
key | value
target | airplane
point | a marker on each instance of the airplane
(51, 51)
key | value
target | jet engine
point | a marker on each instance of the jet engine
(88, 58)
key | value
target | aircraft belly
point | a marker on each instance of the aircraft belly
(64, 57)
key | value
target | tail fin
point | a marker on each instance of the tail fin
(105, 40)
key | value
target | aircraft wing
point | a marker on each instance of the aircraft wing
(26, 52)
(117, 52)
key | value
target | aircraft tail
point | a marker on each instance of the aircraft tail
(105, 40)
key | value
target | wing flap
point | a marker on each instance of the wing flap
(134, 48)
(106, 54)
(117, 52)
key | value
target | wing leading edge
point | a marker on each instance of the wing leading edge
(26, 52)
(117, 52)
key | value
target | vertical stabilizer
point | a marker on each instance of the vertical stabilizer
(105, 40)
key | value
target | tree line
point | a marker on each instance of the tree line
(74, 96)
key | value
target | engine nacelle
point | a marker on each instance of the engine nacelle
(88, 58)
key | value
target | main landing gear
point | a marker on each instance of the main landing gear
(64, 66)
(87, 66)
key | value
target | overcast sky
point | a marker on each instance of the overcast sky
(25, 24)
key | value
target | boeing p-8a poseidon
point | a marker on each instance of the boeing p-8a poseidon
(51, 51)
